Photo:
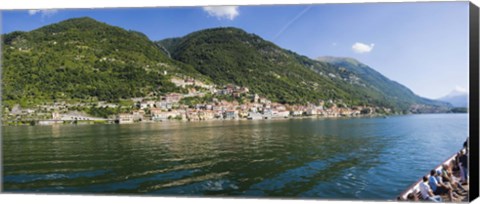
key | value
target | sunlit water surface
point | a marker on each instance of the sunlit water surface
(362, 158)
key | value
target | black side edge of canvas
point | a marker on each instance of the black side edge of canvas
(473, 101)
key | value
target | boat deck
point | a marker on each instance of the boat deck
(414, 188)
(461, 198)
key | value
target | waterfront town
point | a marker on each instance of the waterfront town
(201, 102)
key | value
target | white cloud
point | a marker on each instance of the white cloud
(43, 13)
(362, 47)
(227, 12)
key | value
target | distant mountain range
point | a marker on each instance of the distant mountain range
(390, 90)
(81, 59)
(458, 98)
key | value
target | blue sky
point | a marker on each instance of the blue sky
(421, 45)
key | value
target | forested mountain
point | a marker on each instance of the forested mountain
(393, 92)
(85, 59)
(82, 58)
(230, 55)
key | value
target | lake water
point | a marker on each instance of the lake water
(361, 158)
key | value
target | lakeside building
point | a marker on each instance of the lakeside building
(74, 117)
(163, 105)
(147, 104)
(50, 122)
(231, 115)
(254, 116)
(165, 115)
(206, 115)
(172, 97)
(125, 118)
(283, 114)
(296, 113)
(245, 105)
(138, 115)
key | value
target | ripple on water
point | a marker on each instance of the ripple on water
(348, 158)
(26, 178)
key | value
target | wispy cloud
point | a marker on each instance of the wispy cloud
(362, 47)
(43, 13)
(222, 12)
(291, 21)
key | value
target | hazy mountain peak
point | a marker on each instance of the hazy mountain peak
(458, 97)
(458, 91)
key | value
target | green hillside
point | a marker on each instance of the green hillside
(230, 55)
(394, 93)
(83, 59)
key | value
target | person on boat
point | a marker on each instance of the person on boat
(427, 193)
(463, 164)
(456, 162)
(447, 177)
(412, 197)
(437, 187)
(455, 191)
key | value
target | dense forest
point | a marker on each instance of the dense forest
(83, 59)
(230, 55)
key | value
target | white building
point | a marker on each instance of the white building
(125, 118)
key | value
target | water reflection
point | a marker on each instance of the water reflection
(326, 158)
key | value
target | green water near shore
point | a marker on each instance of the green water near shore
(364, 158)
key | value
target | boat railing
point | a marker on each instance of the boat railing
(414, 188)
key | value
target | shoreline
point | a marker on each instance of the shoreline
(113, 122)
